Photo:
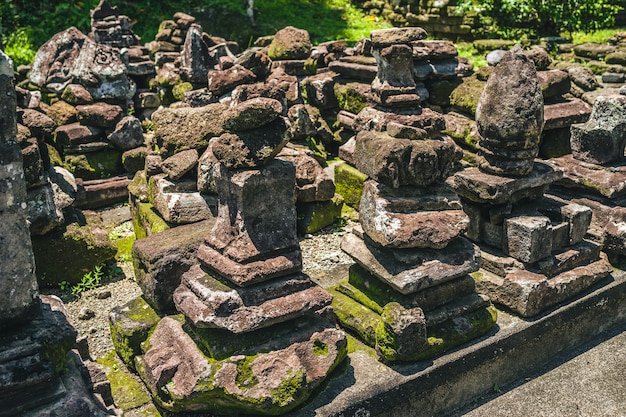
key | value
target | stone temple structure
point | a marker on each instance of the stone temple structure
(251, 337)
(595, 174)
(35, 336)
(533, 248)
(410, 294)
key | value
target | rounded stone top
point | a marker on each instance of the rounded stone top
(252, 113)
(385, 37)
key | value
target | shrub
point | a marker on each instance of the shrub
(509, 18)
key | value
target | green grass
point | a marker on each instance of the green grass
(467, 50)
(599, 36)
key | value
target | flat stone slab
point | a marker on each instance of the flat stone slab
(566, 113)
(210, 303)
(514, 350)
(529, 293)
(609, 181)
(480, 187)
(411, 270)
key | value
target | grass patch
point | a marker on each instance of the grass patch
(599, 36)
(467, 50)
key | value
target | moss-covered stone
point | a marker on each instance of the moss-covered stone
(130, 326)
(349, 98)
(134, 160)
(128, 393)
(465, 97)
(440, 91)
(147, 221)
(72, 250)
(349, 184)
(487, 45)
(55, 156)
(356, 317)
(314, 216)
(95, 165)
(179, 90)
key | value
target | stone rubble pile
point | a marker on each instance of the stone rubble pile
(534, 254)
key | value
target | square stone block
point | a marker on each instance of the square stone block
(528, 238)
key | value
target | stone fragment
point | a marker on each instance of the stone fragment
(528, 238)
(584, 78)
(553, 83)
(55, 59)
(251, 114)
(312, 182)
(76, 94)
(62, 113)
(510, 113)
(43, 215)
(386, 37)
(101, 193)
(177, 165)
(565, 113)
(161, 259)
(256, 61)
(401, 332)
(179, 202)
(396, 162)
(223, 81)
(128, 134)
(40, 125)
(411, 218)
(195, 59)
(374, 119)
(290, 43)
(601, 139)
(394, 85)
(71, 135)
(174, 357)
(252, 148)
(99, 114)
(187, 128)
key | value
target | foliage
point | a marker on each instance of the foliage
(512, 18)
(19, 47)
(467, 50)
(90, 281)
(601, 36)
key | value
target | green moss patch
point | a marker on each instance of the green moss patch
(315, 216)
(128, 392)
(95, 165)
(147, 221)
(349, 184)
(349, 98)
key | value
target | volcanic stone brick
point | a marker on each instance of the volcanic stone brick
(252, 114)
(602, 139)
(223, 81)
(392, 36)
(254, 238)
(177, 165)
(290, 43)
(128, 133)
(529, 238)
(99, 114)
(195, 59)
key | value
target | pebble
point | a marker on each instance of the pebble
(86, 314)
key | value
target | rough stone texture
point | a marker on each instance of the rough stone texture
(99, 114)
(579, 175)
(252, 114)
(18, 295)
(411, 270)
(76, 94)
(312, 182)
(396, 162)
(411, 217)
(40, 125)
(601, 139)
(528, 238)
(101, 193)
(553, 83)
(480, 187)
(564, 114)
(374, 119)
(540, 57)
(529, 293)
(55, 60)
(210, 303)
(223, 81)
(584, 78)
(62, 113)
(128, 134)
(160, 260)
(187, 128)
(391, 36)
(177, 165)
(71, 135)
(283, 378)
(290, 43)
(178, 202)
(195, 60)
(42, 213)
(72, 250)
(307, 121)
(252, 148)
(394, 85)
(241, 240)
(509, 115)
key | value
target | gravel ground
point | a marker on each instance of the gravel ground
(89, 312)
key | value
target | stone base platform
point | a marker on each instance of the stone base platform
(514, 349)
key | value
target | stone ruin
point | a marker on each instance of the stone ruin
(252, 337)
(221, 149)
(39, 373)
(534, 254)
(410, 294)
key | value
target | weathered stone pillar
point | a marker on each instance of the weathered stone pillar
(18, 283)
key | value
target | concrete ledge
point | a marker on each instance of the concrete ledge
(517, 348)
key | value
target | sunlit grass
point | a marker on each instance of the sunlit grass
(599, 36)
(467, 50)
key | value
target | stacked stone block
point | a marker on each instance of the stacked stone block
(534, 254)
(410, 284)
